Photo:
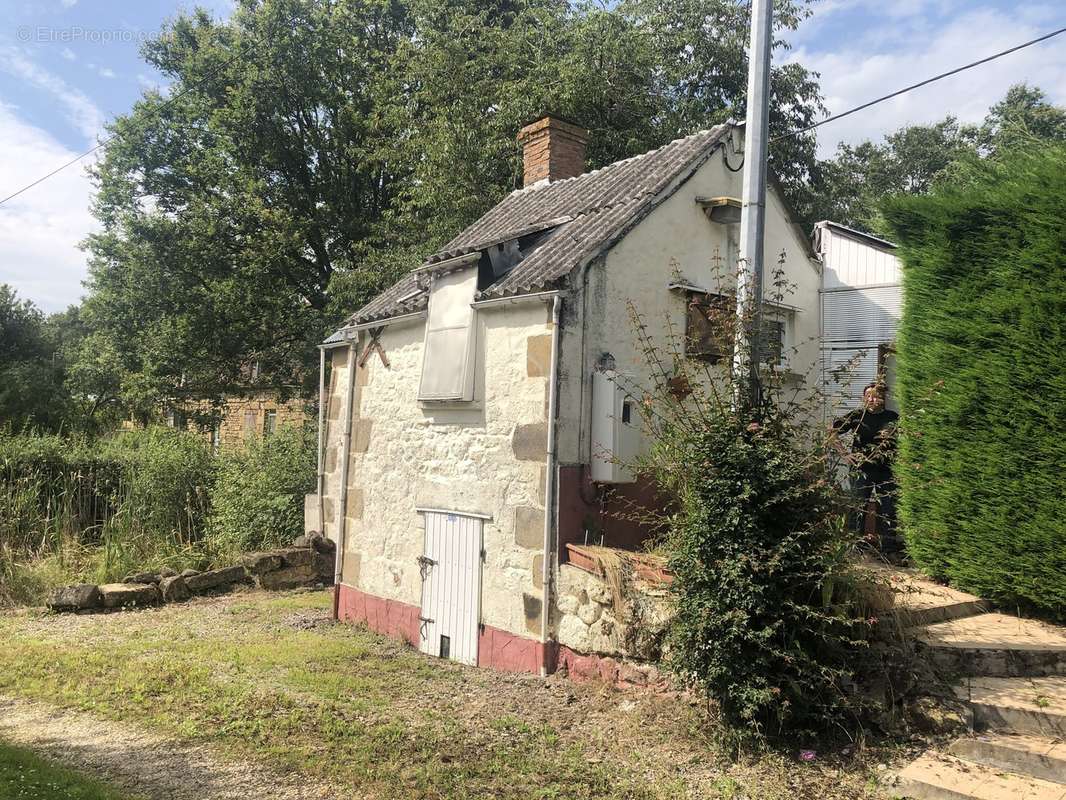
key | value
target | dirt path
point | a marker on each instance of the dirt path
(144, 763)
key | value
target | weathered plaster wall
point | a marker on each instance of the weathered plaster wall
(678, 234)
(487, 457)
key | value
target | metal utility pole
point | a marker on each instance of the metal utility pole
(753, 210)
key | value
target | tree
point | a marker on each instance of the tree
(31, 382)
(1021, 118)
(851, 186)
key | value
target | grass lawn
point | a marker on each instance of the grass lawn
(25, 776)
(269, 676)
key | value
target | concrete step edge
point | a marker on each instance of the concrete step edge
(935, 776)
(920, 617)
(1039, 757)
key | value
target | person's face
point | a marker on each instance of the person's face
(874, 399)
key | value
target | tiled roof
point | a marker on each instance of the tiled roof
(587, 214)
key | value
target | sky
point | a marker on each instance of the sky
(67, 67)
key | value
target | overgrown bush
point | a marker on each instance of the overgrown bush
(258, 494)
(982, 377)
(756, 542)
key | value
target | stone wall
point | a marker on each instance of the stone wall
(590, 621)
(485, 457)
(309, 562)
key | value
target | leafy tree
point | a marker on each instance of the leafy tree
(1019, 119)
(851, 186)
(31, 382)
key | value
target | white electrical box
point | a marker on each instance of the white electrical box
(615, 428)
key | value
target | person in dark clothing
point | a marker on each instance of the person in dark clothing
(873, 447)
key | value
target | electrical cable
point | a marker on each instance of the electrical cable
(918, 85)
(106, 141)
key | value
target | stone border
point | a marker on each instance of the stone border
(308, 562)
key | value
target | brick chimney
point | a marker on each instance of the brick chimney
(552, 148)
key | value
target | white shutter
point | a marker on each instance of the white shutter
(448, 355)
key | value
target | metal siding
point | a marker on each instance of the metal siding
(451, 588)
(851, 263)
(855, 323)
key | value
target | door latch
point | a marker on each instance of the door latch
(424, 563)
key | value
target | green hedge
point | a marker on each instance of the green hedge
(982, 379)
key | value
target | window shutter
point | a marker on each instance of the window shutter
(448, 356)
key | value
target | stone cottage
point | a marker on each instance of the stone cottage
(472, 409)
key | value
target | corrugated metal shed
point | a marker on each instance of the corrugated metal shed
(861, 304)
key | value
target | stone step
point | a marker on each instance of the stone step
(996, 645)
(1036, 756)
(935, 776)
(913, 599)
(1019, 705)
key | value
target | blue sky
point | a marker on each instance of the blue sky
(69, 66)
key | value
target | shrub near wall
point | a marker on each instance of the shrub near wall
(982, 377)
(258, 495)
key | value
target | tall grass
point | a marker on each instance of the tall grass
(77, 509)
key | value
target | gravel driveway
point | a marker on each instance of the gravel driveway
(142, 763)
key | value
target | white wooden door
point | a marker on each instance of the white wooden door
(451, 586)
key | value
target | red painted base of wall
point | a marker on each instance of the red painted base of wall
(580, 667)
(497, 649)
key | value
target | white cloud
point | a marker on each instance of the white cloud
(106, 72)
(69, 3)
(41, 228)
(68, 54)
(886, 58)
(81, 112)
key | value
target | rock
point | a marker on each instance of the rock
(167, 572)
(216, 579)
(258, 563)
(76, 598)
(174, 589)
(302, 541)
(142, 577)
(295, 556)
(189, 573)
(567, 604)
(322, 544)
(288, 577)
(631, 675)
(324, 565)
(936, 715)
(601, 594)
(590, 612)
(574, 634)
(125, 595)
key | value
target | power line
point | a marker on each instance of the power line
(107, 140)
(927, 81)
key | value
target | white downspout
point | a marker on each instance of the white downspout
(321, 486)
(343, 500)
(549, 486)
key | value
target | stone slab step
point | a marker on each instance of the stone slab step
(1037, 756)
(1019, 705)
(913, 599)
(996, 645)
(935, 776)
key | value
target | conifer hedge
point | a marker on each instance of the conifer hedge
(982, 379)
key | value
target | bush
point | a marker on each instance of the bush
(757, 545)
(982, 360)
(258, 494)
